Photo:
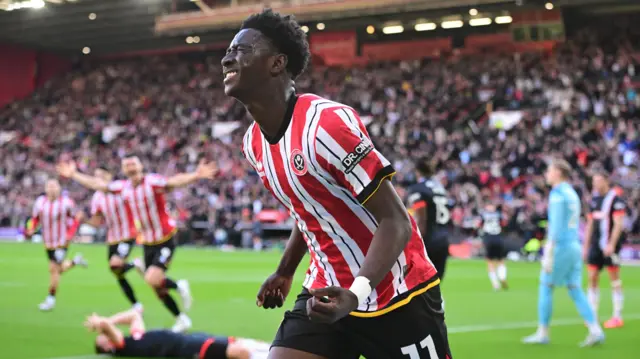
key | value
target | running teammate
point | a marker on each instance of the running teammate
(370, 288)
(160, 343)
(428, 203)
(491, 230)
(562, 262)
(55, 214)
(145, 194)
(110, 208)
(603, 239)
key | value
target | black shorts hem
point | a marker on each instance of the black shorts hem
(401, 300)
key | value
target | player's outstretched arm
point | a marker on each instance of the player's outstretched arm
(275, 289)
(204, 171)
(69, 170)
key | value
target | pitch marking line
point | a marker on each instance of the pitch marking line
(452, 330)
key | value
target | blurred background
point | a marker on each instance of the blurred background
(488, 90)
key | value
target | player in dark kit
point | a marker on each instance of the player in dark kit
(491, 230)
(603, 239)
(162, 343)
(428, 203)
(370, 288)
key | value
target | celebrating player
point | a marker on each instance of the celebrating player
(428, 203)
(562, 262)
(55, 213)
(145, 195)
(161, 343)
(491, 229)
(603, 240)
(370, 288)
(121, 236)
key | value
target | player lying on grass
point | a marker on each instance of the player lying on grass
(163, 343)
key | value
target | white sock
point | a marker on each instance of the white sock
(595, 328)
(494, 279)
(502, 272)
(593, 295)
(618, 298)
(543, 331)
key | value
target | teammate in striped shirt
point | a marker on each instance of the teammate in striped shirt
(55, 215)
(111, 208)
(145, 194)
(370, 288)
(603, 239)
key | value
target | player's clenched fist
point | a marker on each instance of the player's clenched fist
(274, 291)
(330, 304)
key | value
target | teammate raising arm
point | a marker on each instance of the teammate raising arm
(111, 208)
(145, 194)
(367, 256)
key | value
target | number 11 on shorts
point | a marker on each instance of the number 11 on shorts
(412, 350)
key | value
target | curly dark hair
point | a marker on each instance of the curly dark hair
(285, 34)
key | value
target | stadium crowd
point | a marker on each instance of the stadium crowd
(577, 102)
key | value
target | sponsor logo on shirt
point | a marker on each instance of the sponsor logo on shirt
(353, 158)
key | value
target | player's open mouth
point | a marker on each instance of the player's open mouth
(229, 75)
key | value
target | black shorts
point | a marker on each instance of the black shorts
(597, 260)
(494, 246)
(205, 346)
(439, 253)
(57, 255)
(159, 255)
(122, 249)
(416, 327)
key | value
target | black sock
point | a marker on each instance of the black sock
(52, 291)
(169, 283)
(126, 267)
(128, 291)
(171, 304)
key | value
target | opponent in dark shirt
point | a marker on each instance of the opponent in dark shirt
(163, 343)
(428, 203)
(491, 231)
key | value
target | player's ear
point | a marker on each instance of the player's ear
(278, 64)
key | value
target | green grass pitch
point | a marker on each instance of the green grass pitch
(482, 323)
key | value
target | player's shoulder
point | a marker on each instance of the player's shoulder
(313, 106)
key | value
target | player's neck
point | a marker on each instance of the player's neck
(53, 198)
(135, 180)
(269, 110)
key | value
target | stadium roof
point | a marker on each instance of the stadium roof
(119, 26)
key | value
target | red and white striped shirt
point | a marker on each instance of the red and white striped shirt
(56, 218)
(148, 206)
(323, 168)
(117, 214)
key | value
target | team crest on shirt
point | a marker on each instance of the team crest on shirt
(298, 163)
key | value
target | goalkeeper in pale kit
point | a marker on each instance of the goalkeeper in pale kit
(562, 260)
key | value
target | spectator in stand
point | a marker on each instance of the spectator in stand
(579, 103)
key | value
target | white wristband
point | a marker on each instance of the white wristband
(361, 288)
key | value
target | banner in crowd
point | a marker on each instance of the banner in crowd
(221, 129)
(334, 47)
(406, 50)
(504, 120)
